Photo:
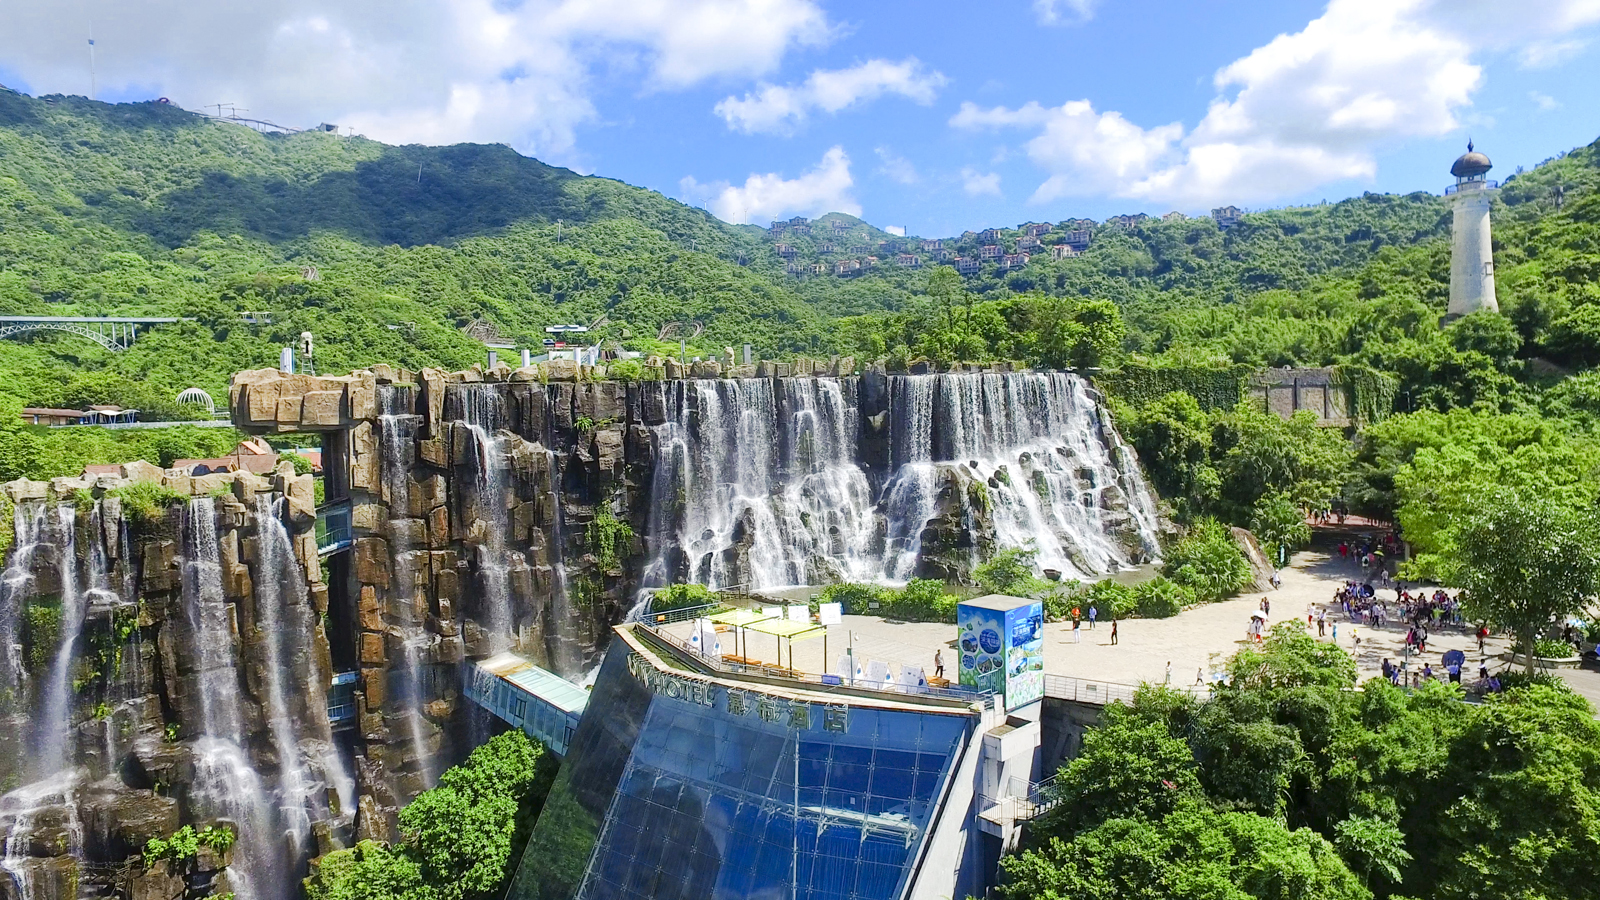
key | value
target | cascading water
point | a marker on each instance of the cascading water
(567, 659)
(54, 727)
(282, 614)
(395, 424)
(826, 512)
(768, 490)
(226, 785)
(909, 496)
(483, 413)
(45, 811)
(28, 521)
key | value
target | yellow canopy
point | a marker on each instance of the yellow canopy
(785, 628)
(740, 618)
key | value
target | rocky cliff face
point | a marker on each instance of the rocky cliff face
(194, 651)
(164, 664)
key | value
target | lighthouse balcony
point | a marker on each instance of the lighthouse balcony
(1471, 184)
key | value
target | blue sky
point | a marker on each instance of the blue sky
(932, 115)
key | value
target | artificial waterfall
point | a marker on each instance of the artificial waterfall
(226, 786)
(217, 650)
(768, 483)
(164, 666)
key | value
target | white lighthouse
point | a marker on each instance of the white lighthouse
(1471, 254)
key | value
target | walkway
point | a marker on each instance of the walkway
(1196, 643)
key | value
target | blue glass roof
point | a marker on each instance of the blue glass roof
(739, 792)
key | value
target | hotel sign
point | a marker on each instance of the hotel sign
(738, 702)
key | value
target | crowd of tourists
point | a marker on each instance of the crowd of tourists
(1416, 609)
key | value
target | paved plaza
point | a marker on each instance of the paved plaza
(1195, 642)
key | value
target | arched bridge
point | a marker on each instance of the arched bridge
(111, 332)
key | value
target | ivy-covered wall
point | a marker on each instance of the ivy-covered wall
(1368, 394)
(1215, 387)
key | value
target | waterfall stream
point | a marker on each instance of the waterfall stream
(763, 483)
(226, 786)
(47, 812)
(28, 522)
(283, 621)
(395, 424)
(483, 413)
(54, 725)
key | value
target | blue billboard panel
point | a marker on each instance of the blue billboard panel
(1001, 640)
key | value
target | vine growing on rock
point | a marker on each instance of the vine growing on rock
(610, 539)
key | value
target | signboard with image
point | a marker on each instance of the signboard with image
(1001, 644)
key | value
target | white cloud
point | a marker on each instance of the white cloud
(977, 183)
(897, 167)
(408, 70)
(896, 230)
(823, 189)
(780, 109)
(1544, 102)
(1544, 54)
(1304, 109)
(1054, 12)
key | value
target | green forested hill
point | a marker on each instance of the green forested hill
(146, 209)
(391, 253)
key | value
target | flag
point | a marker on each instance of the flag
(91, 42)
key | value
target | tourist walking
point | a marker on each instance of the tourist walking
(1322, 622)
(1169, 671)
(1094, 613)
(1113, 632)
(938, 664)
(1076, 634)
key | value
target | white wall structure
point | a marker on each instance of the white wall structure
(1471, 253)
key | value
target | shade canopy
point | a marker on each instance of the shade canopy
(784, 628)
(740, 618)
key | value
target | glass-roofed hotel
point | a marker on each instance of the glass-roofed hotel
(688, 777)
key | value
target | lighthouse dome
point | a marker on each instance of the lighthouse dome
(1471, 164)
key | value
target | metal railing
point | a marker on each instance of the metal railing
(1100, 693)
(819, 682)
(334, 528)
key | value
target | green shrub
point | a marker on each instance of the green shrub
(42, 622)
(1059, 599)
(921, 600)
(1549, 649)
(186, 842)
(610, 538)
(628, 370)
(146, 501)
(1161, 598)
(1111, 599)
(681, 596)
(855, 599)
(1007, 572)
(1209, 561)
(302, 464)
(459, 841)
(1511, 679)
